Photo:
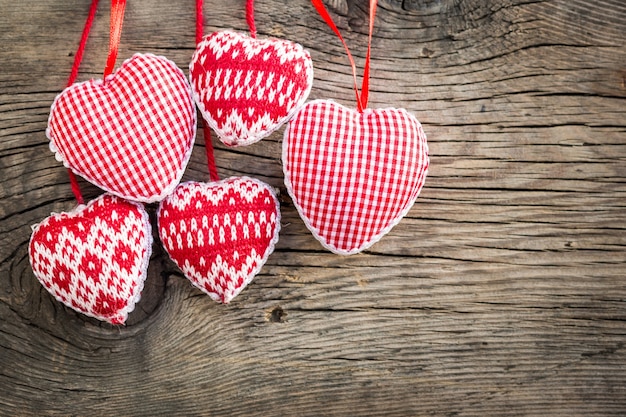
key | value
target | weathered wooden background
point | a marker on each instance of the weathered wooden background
(502, 293)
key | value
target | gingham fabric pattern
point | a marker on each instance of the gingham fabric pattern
(353, 176)
(246, 88)
(220, 234)
(94, 259)
(131, 134)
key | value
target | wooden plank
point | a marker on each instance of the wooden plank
(503, 292)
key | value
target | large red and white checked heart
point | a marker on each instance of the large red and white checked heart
(353, 176)
(220, 234)
(94, 259)
(131, 134)
(246, 88)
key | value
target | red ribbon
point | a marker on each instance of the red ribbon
(199, 21)
(208, 143)
(83, 42)
(250, 17)
(73, 75)
(363, 96)
(117, 19)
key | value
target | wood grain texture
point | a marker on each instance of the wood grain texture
(502, 293)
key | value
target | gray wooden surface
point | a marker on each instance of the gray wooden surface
(503, 292)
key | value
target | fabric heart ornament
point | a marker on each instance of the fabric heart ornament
(220, 234)
(131, 134)
(353, 175)
(94, 259)
(245, 87)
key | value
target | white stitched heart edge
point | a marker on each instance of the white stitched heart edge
(231, 140)
(144, 262)
(179, 174)
(268, 251)
(305, 219)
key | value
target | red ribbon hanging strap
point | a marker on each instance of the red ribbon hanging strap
(83, 42)
(73, 75)
(362, 97)
(208, 144)
(117, 19)
(250, 17)
(365, 87)
(199, 21)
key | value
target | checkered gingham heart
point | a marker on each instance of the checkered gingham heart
(353, 176)
(220, 233)
(246, 88)
(95, 258)
(131, 134)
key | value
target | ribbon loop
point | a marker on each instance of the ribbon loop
(117, 20)
(83, 42)
(362, 97)
(365, 87)
(199, 21)
(206, 131)
(250, 17)
(73, 75)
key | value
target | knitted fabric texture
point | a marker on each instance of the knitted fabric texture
(353, 176)
(220, 234)
(246, 88)
(131, 134)
(94, 259)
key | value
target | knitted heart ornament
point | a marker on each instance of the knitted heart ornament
(246, 88)
(94, 259)
(131, 134)
(353, 176)
(221, 233)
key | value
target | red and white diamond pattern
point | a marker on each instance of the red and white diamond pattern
(353, 176)
(131, 134)
(95, 258)
(246, 88)
(220, 234)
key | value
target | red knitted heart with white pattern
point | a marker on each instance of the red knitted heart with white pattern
(353, 176)
(131, 134)
(220, 234)
(246, 88)
(94, 259)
